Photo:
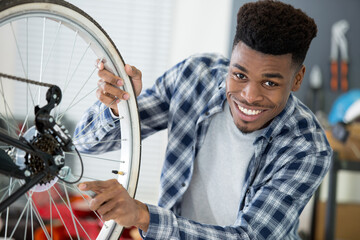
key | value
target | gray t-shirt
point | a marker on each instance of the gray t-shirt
(213, 196)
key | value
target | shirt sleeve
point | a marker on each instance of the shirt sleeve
(270, 212)
(155, 103)
(97, 131)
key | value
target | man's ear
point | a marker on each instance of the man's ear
(298, 79)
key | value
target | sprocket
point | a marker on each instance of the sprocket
(46, 143)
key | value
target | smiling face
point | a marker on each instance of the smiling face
(258, 86)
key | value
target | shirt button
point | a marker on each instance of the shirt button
(207, 113)
(248, 191)
(183, 184)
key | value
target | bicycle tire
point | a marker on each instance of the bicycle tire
(58, 9)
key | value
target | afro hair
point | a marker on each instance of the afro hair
(275, 28)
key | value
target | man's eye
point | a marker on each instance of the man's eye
(240, 75)
(270, 84)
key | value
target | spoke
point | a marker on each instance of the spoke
(57, 210)
(26, 223)
(71, 211)
(92, 131)
(52, 46)
(95, 179)
(6, 118)
(28, 92)
(6, 106)
(24, 124)
(50, 209)
(11, 127)
(8, 209)
(18, 221)
(87, 201)
(70, 107)
(9, 188)
(37, 215)
(77, 66)
(18, 49)
(32, 221)
(95, 118)
(71, 57)
(27, 47)
(68, 68)
(94, 157)
(41, 222)
(77, 94)
(41, 59)
(108, 141)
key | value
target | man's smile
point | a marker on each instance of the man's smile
(247, 111)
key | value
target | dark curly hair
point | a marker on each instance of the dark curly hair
(275, 28)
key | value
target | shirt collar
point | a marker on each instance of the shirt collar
(279, 121)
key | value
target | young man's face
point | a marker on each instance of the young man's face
(258, 86)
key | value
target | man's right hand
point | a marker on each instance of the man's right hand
(108, 91)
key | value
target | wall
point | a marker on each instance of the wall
(200, 26)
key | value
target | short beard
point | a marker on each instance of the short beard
(244, 129)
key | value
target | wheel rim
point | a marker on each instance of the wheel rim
(50, 43)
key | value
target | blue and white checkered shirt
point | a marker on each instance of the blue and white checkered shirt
(291, 157)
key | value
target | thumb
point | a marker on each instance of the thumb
(135, 75)
(133, 72)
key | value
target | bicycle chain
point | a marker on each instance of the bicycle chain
(25, 80)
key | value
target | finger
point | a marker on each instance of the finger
(96, 202)
(133, 72)
(96, 186)
(108, 82)
(112, 190)
(110, 90)
(109, 215)
(107, 90)
(99, 64)
(110, 78)
(107, 99)
(107, 207)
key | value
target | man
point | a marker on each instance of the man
(244, 155)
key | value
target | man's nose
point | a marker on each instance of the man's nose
(251, 93)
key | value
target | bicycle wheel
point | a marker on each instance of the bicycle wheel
(53, 41)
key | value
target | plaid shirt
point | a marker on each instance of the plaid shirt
(291, 157)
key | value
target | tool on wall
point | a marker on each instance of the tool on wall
(339, 44)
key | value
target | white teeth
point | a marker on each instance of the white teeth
(249, 111)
